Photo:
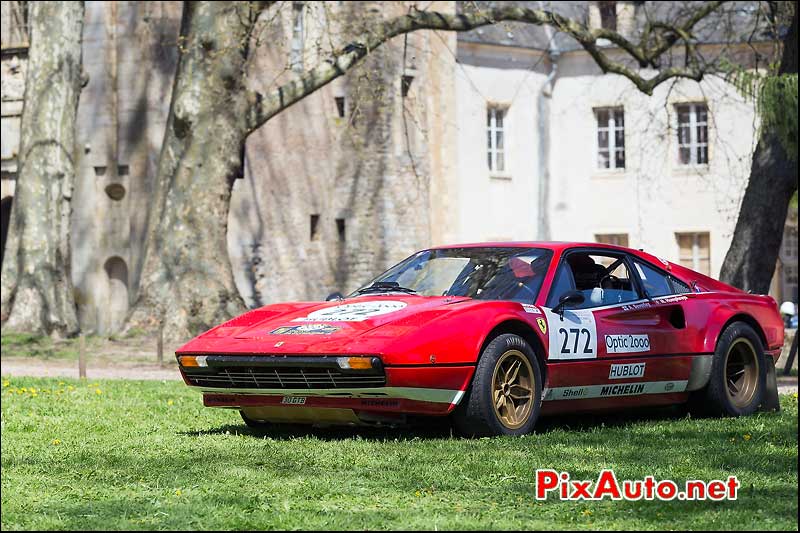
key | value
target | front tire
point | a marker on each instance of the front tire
(505, 396)
(738, 373)
(255, 424)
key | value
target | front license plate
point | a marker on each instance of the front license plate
(293, 400)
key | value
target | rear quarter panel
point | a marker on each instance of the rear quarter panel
(719, 309)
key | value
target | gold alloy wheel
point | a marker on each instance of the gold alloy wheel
(513, 389)
(741, 373)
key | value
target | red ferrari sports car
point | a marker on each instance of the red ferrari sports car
(493, 335)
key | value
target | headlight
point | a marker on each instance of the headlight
(193, 360)
(355, 363)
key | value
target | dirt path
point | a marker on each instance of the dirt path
(21, 366)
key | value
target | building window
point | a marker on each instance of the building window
(15, 25)
(695, 251)
(692, 134)
(610, 137)
(340, 229)
(617, 239)
(608, 15)
(495, 116)
(340, 109)
(314, 227)
(296, 53)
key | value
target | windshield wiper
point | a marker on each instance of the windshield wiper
(386, 286)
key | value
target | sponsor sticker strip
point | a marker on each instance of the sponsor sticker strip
(354, 312)
(629, 370)
(612, 390)
(305, 329)
(627, 343)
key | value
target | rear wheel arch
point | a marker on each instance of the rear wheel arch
(720, 396)
(747, 319)
(517, 327)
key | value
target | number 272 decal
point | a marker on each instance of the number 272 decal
(577, 335)
(574, 337)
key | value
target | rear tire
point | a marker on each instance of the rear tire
(505, 396)
(738, 373)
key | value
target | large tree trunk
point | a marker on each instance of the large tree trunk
(750, 261)
(187, 282)
(36, 286)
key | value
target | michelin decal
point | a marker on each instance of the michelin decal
(614, 390)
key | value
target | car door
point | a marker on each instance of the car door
(621, 341)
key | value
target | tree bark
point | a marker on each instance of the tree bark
(37, 294)
(187, 281)
(750, 261)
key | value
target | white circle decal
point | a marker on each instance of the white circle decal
(355, 312)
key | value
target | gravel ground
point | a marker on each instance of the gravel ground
(18, 366)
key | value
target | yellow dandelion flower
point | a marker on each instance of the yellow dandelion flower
(586, 512)
(170, 402)
(794, 395)
(6, 383)
(60, 383)
(747, 436)
(98, 391)
(56, 442)
(178, 492)
(70, 388)
(24, 390)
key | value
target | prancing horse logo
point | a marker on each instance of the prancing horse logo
(542, 325)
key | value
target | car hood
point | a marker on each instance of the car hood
(321, 327)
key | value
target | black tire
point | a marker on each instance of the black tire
(739, 352)
(476, 415)
(255, 424)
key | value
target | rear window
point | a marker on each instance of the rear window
(657, 283)
(653, 281)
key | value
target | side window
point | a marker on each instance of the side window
(679, 287)
(602, 279)
(653, 281)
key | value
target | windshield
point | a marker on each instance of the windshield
(481, 273)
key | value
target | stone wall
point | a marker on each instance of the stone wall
(129, 55)
(362, 180)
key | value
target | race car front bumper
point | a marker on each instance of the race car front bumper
(317, 388)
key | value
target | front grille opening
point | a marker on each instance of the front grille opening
(240, 377)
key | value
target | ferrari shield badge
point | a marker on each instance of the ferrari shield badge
(542, 325)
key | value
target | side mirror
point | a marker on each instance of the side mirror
(334, 296)
(568, 299)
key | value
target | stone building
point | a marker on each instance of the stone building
(506, 132)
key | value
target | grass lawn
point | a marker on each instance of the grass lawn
(147, 455)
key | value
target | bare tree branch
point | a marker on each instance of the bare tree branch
(657, 38)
